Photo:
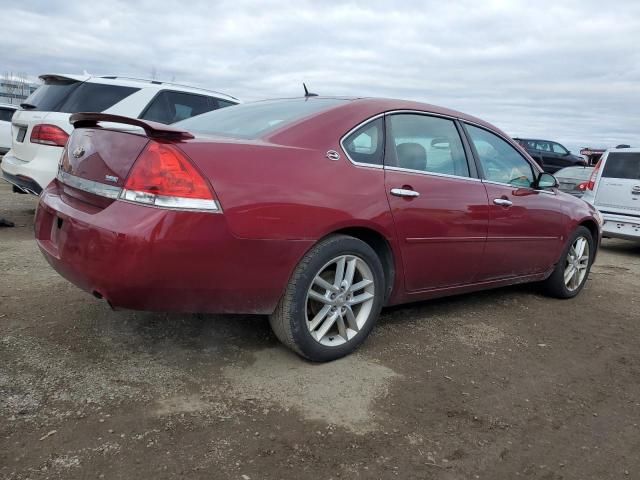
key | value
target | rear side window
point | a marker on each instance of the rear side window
(366, 144)
(427, 144)
(50, 96)
(6, 114)
(622, 165)
(95, 97)
(170, 107)
(252, 120)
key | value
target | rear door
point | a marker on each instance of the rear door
(439, 206)
(618, 190)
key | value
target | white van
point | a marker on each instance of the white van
(614, 189)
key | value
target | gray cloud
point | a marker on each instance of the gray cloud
(565, 70)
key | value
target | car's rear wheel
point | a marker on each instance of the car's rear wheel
(332, 301)
(572, 271)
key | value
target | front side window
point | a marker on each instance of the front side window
(427, 144)
(557, 148)
(500, 161)
(543, 146)
(366, 144)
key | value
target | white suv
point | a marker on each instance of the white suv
(6, 112)
(614, 189)
(41, 127)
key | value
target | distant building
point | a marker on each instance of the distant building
(15, 89)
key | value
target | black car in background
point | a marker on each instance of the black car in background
(551, 156)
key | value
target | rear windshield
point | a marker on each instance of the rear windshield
(252, 120)
(622, 165)
(71, 97)
(49, 97)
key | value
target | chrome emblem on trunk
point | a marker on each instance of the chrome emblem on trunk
(111, 178)
(78, 152)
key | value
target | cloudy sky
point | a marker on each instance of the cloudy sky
(564, 69)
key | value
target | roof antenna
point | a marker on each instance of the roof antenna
(307, 93)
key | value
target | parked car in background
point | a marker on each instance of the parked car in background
(316, 211)
(6, 112)
(550, 155)
(614, 189)
(41, 128)
(573, 180)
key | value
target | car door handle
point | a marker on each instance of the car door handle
(403, 192)
(503, 202)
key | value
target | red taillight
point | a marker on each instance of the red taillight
(164, 177)
(592, 179)
(49, 135)
(582, 186)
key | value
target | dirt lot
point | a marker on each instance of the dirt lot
(497, 385)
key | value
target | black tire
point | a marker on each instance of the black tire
(555, 286)
(289, 320)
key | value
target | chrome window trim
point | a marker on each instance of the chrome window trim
(384, 114)
(548, 192)
(90, 186)
(432, 174)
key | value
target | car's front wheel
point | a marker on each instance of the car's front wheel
(332, 301)
(572, 271)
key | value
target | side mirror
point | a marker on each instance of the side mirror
(546, 180)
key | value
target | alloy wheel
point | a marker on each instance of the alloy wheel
(339, 300)
(577, 264)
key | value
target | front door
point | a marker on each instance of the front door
(439, 208)
(525, 224)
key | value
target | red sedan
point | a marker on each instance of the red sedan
(315, 211)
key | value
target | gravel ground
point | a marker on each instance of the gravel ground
(496, 385)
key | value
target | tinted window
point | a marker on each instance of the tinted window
(6, 114)
(366, 145)
(500, 161)
(622, 165)
(557, 148)
(171, 107)
(428, 144)
(542, 146)
(95, 97)
(251, 120)
(49, 97)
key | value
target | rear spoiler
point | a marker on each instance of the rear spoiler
(152, 129)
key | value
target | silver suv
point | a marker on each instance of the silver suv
(614, 189)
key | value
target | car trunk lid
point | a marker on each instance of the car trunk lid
(619, 185)
(97, 160)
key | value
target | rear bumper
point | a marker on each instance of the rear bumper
(39, 171)
(25, 184)
(145, 258)
(621, 226)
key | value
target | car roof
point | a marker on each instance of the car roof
(9, 105)
(383, 105)
(624, 150)
(138, 83)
